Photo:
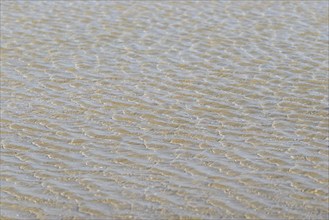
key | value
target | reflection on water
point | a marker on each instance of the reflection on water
(157, 110)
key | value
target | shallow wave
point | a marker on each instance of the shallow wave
(164, 110)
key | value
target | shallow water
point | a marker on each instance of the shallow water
(164, 110)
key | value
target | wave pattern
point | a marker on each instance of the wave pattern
(164, 110)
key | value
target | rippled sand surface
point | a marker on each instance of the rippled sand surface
(164, 110)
